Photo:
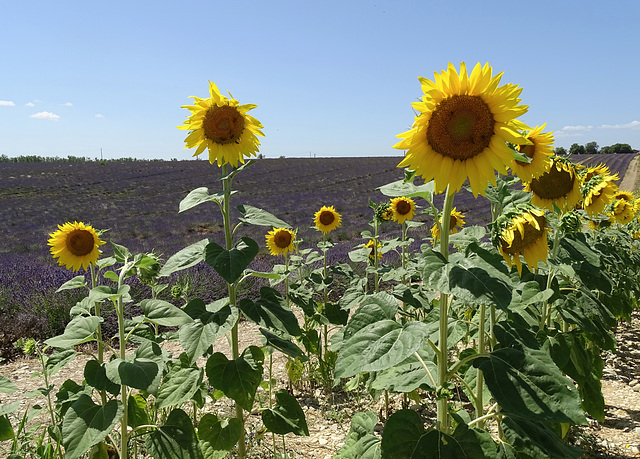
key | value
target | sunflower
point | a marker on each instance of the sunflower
(626, 195)
(622, 211)
(598, 192)
(75, 245)
(522, 231)
(280, 241)
(223, 126)
(370, 245)
(327, 219)
(403, 209)
(462, 128)
(539, 153)
(589, 172)
(455, 224)
(560, 185)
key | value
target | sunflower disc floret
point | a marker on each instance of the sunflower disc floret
(462, 129)
(75, 245)
(222, 126)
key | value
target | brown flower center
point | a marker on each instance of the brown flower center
(327, 217)
(531, 235)
(403, 207)
(453, 221)
(460, 127)
(223, 125)
(282, 239)
(528, 151)
(80, 242)
(553, 184)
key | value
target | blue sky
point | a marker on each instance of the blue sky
(330, 78)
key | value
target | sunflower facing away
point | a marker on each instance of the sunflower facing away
(223, 126)
(455, 224)
(462, 128)
(522, 231)
(560, 185)
(622, 211)
(403, 209)
(597, 193)
(370, 245)
(280, 241)
(75, 245)
(327, 219)
(539, 152)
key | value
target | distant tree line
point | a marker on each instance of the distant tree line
(592, 148)
(68, 159)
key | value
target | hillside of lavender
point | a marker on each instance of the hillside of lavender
(137, 202)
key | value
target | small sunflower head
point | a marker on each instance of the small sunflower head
(622, 211)
(403, 209)
(597, 193)
(560, 185)
(371, 245)
(381, 212)
(539, 152)
(327, 219)
(456, 222)
(571, 222)
(522, 230)
(148, 268)
(75, 245)
(280, 241)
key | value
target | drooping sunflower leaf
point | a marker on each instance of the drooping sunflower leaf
(231, 263)
(271, 311)
(163, 313)
(361, 442)
(239, 378)
(254, 216)
(286, 416)
(283, 345)
(176, 438)
(217, 436)
(86, 424)
(79, 330)
(197, 197)
(537, 440)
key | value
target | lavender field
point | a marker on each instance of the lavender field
(137, 201)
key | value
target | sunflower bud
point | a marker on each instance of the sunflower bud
(570, 222)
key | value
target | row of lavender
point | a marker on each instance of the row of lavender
(138, 203)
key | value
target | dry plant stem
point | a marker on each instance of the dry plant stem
(231, 287)
(445, 300)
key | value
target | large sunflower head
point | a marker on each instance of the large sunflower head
(626, 195)
(539, 153)
(280, 241)
(461, 130)
(403, 209)
(598, 192)
(223, 126)
(522, 231)
(75, 245)
(590, 171)
(327, 219)
(456, 222)
(560, 185)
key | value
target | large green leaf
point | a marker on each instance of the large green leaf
(283, 345)
(197, 197)
(58, 360)
(217, 436)
(592, 316)
(210, 322)
(179, 385)
(536, 440)
(79, 330)
(76, 282)
(164, 313)
(231, 263)
(143, 374)
(185, 258)
(96, 376)
(175, 439)
(404, 437)
(271, 311)
(286, 416)
(407, 375)
(6, 386)
(361, 442)
(86, 424)
(6, 429)
(525, 382)
(254, 216)
(408, 189)
(137, 411)
(374, 308)
(239, 378)
(379, 346)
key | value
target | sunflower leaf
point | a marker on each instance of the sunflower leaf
(217, 436)
(408, 190)
(185, 258)
(271, 311)
(176, 438)
(254, 216)
(198, 196)
(231, 263)
(76, 282)
(286, 416)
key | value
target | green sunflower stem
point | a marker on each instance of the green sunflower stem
(376, 276)
(231, 287)
(325, 297)
(445, 300)
(479, 375)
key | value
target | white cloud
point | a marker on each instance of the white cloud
(29, 104)
(7, 103)
(631, 125)
(99, 115)
(45, 116)
(577, 128)
(68, 104)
